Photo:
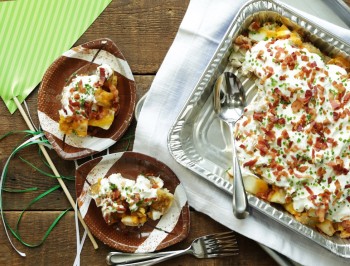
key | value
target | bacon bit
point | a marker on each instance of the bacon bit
(346, 98)
(338, 166)
(312, 79)
(242, 146)
(279, 141)
(308, 95)
(260, 55)
(308, 190)
(332, 141)
(278, 92)
(248, 133)
(254, 26)
(348, 198)
(285, 134)
(312, 64)
(246, 122)
(102, 76)
(320, 173)
(80, 85)
(74, 104)
(279, 174)
(329, 180)
(259, 116)
(336, 116)
(283, 77)
(304, 58)
(299, 126)
(309, 141)
(250, 163)
(270, 134)
(269, 72)
(263, 146)
(320, 144)
(243, 42)
(340, 87)
(337, 191)
(297, 105)
(335, 104)
(303, 168)
(290, 61)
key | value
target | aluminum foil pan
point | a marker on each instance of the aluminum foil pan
(197, 138)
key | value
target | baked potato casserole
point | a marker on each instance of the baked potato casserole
(293, 140)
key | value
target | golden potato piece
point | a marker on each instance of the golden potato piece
(254, 184)
(104, 98)
(164, 201)
(106, 120)
(133, 220)
(68, 126)
(326, 227)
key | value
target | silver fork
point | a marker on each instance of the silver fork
(209, 246)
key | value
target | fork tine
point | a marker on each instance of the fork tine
(220, 235)
(217, 255)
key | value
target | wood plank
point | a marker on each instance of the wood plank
(60, 246)
(143, 30)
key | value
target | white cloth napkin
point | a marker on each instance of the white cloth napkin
(199, 34)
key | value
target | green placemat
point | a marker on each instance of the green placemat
(33, 33)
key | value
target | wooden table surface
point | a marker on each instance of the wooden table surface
(143, 30)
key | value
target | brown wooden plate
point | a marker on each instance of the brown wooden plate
(172, 228)
(50, 94)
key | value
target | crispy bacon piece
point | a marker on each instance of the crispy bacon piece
(269, 72)
(243, 42)
(246, 122)
(320, 144)
(254, 26)
(320, 173)
(259, 116)
(263, 146)
(338, 166)
(260, 56)
(250, 163)
(102, 77)
(297, 105)
(290, 61)
(335, 104)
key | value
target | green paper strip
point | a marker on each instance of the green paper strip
(33, 34)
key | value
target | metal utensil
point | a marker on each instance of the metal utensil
(229, 103)
(209, 246)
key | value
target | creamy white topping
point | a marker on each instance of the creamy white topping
(143, 190)
(296, 134)
(72, 94)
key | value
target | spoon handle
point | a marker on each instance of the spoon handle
(239, 200)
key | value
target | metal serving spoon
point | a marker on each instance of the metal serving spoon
(229, 103)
